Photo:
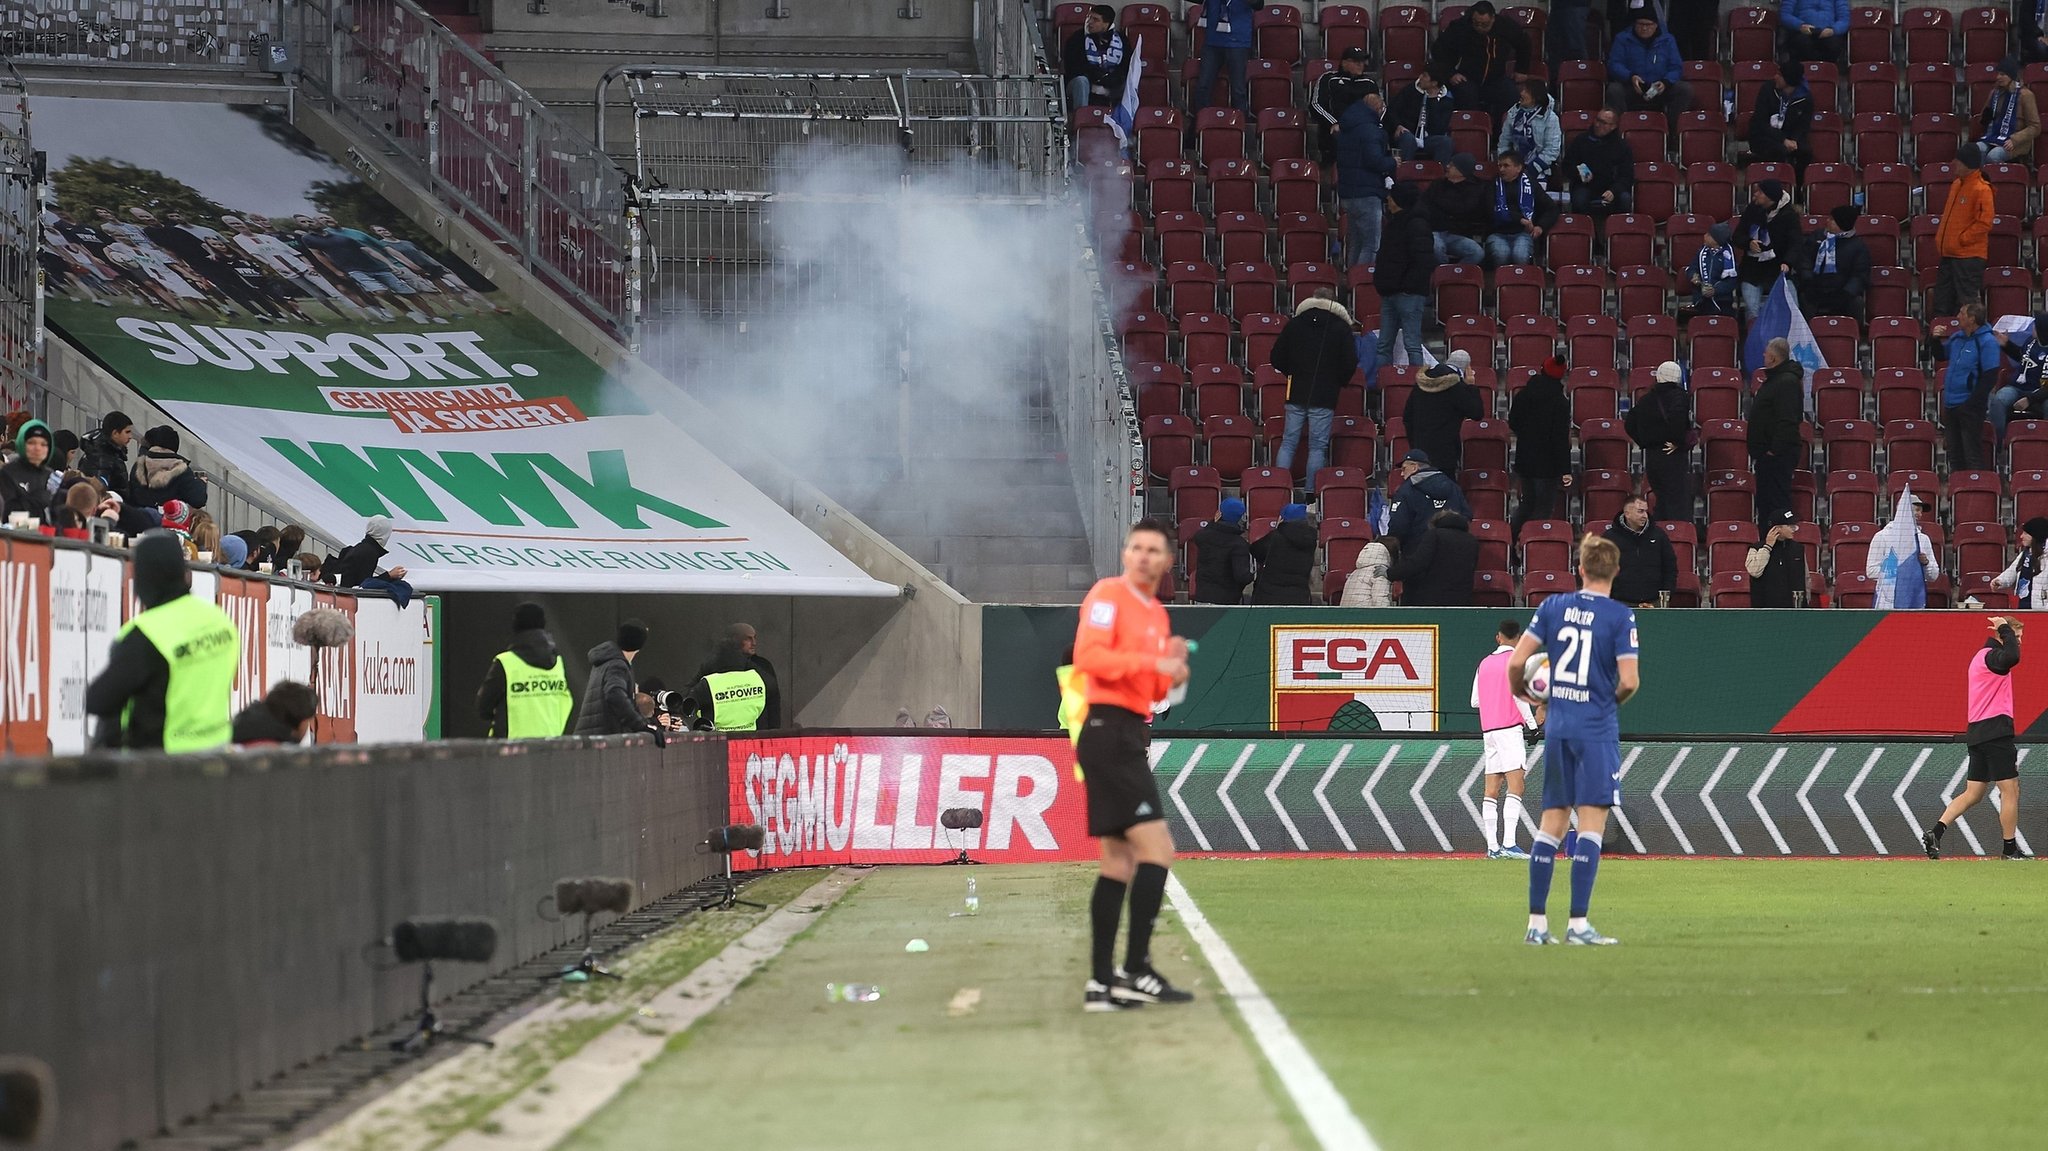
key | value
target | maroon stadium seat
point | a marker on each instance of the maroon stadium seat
(1344, 26)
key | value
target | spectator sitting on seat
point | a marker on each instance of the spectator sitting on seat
(2021, 397)
(2024, 576)
(1600, 169)
(1773, 436)
(1966, 387)
(178, 521)
(1660, 422)
(1522, 213)
(1649, 564)
(1286, 555)
(1318, 354)
(1777, 564)
(1644, 69)
(1459, 207)
(1782, 122)
(2030, 29)
(205, 536)
(1895, 545)
(1436, 411)
(1541, 419)
(1403, 272)
(63, 455)
(1814, 29)
(1531, 131)
(1439, 570)
(25, 479)
(1484, 54)
(1963, 238)
(161, 474)
(1836, 271)
(1365, 162)
(1424, 491)
(1770, 238)
(1096, 60)
(103, 453)
(1712, 274)
(1226, 48)
(1419, 118)
(1333, 93)
(2011, 119)
(1369, 585)
(1223, 560)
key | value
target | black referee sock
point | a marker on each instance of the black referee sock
(1148, 891)
(1103, 912)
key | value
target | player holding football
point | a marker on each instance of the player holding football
(1502, 719)
(1130, 658)
(1993, 758)
(1591, 640)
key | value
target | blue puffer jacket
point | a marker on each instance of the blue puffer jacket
(1654, 61)
(1973, 362)
(1364, 161)
(1237, 14)
(1819, 13)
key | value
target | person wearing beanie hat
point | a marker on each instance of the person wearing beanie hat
(1781, 125)
(2023, 395)
(525, 693)
(1962, 239)
(161, 474)
(608, 706)
(64, 450)
(1769, 239)
(103, 453)
(1660, 422)
(1541, 419)
(2011, 119)
(1402, 273)
(1286, 556)
(170, 678)
(1600, 168)
(234, 553)
(1712, 274)
(1834, 272)
(1436, 411)
(1816, 30)
(1482, 53)
(2023, 576)
(1460, 206)
(25, 479)
(1645, 69)
(1222, 556)
(1364, 157)
(1424, 491)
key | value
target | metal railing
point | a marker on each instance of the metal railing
(209, 35)
(21, 227)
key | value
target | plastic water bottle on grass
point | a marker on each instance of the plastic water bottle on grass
(973, 898)
(852, 992)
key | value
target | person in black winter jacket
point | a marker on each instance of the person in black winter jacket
(1460, 207)
(1223, 559)
(1365, 162)
(1318, 353)
(1766, 242)
(283, 716)
(25, 479)
(1521, 212)
(358, 561)
(161, 474)
(1777, 564)
(1660, 422)
(1834, 272)
(1649, 564)
(1418, 118)
(1424, 491)
(103, 453)
(1486, 54)
(1436, 412)
(1541, 419)
(536, 648)
(1402, 272)
(1782, 121)
(1774, 414)
(1439, 570)
(1600, 168)
(1096, 60)
(1286, 556)
(1333, 93)
(608, 706)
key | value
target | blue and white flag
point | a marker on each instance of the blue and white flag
(1782, 319)
(1899, 559)
(1125, 116)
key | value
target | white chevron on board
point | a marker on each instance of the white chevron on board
(1657, 797)
(1386, 828)
(1415, 793)
(1707, 798)
(1173, 793)
(1899, 796)
(1273, 798)
(1620, 816)
(1849, 797)
(1323, 799)
(2019, 836)
(1223, 793)
(1529, 765)
(1758, 804)
(1813, 816)
(1465, 794)
(1955, 784)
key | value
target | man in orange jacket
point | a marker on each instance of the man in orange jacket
(1963, 239)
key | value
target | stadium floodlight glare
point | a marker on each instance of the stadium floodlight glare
(726, 840)
(587, 896)
(423, 940)
(960, 820)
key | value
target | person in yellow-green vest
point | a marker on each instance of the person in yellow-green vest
(729, 696)
(169, 681)
(525, 693)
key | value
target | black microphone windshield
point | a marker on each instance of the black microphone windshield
(28, 1099)
(960, 818)
(592, 894)
(459, 940)
(738, 837)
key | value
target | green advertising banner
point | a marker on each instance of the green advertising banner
(271, 302)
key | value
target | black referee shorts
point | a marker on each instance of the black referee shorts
(1994, 759)
(1116, 772)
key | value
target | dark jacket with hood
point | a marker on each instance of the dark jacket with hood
(1407, 255)
(257, 724)
(1840, 292)
(1775, 410)
(1662, 416)
(1286, 555)
(1780, 235)
(728, 656)
(104, 460)
(1649, 564)
(161, 474)
(1608, 157)
(1767, 139)
(137, 676)
(1462, 207)
(1439, 570)
(1407, 109)
(25, 487)
(1541, 419)
(536, 648)
(1365, 155)
(607, 707)
(1416, 501)
(1318, 353)
(356, 563)
(1502, 50)
(1223, 563)
(1436, 412)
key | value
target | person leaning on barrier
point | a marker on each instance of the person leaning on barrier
(283, 716)
(743, 640)
(525, 693)
(169, 681)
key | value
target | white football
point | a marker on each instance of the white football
(1536, 673)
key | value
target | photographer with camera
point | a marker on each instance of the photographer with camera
(525, 693)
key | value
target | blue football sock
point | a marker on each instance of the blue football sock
(1585, 866)
(1542, 864)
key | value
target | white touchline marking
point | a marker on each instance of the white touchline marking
(1757, 787)
(1223, 793)
(1657, 797)
(1621, 817)
(1948, 793)
(1899, 796)
(1415, 793)
(1329, 1116)
(1373, 781)
(1173, 793)
(1813, 816)
(1323, 799)
(1273, 799)
(1707, 797)
(1849, 797)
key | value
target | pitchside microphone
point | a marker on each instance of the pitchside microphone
(28, 1100)
(592, 895)
(455, 940)
(961, 820)
(323, 627)
(726, 840)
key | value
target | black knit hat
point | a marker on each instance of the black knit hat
(529, 617)
(161, 436)
(1845, 216)
(632, 635)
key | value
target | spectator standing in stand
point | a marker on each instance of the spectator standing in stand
(2011, 119)
(103, 453)
(1836, 271)
(1333, 93)
(1402, 273)
(1486, 54)
(1644, 70)
(1459, 206)
(2024, 576)
(1223, 559)
(1713, 275)
(1600, 169)
(1226, 48)
(1523, 213)
(1774, 414)
(1660, 422)
(1541, 419)
(1963, 238)
(1564, 33)
(1531, 131)
(1424, 491)
(1365, 162)
(1096, 61)
(1967, 385)
(1318, 354)
(1814, 30)
(1901, 562)
(1436, 411)
(1419, 118)
(2022, 397)
(1777, 564)
(1649, 564)
(162, 475)
(1439, 570)
(1781, 124)
(1370, 584)
(1286, 555)
(1770, 239)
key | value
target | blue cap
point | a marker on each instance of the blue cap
(1232, 512)
(1294, 512)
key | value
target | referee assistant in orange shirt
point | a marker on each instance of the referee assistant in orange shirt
(1131, 658)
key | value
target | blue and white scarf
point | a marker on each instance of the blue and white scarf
(1824, 256)
(1714, 265)
(2033, 369)
(1525, 197)
(1522, 135)
(2005, 114)
(1107, 55)
(1422, 118)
